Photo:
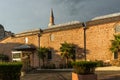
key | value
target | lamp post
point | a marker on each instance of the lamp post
(39, 40)
(39, 35)
(84, 28)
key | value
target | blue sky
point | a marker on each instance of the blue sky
(22, 15)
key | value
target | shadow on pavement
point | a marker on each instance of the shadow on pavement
(112, 78)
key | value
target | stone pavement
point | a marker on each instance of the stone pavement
(104, 73)
(48, 76)
(109, 68)
(108, 73)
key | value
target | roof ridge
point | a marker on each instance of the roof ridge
(65, 24)
(106, 16)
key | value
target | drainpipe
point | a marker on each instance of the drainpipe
(39, 35)
(84, 28)
(39, 45)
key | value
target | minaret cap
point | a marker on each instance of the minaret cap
(51, 22)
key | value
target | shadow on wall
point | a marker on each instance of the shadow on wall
(52, 60)
(57, 61)
(80, 52)
(6, 48)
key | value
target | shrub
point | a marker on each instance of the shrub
(84, 67)
(4, 58)
(100, 63)
(10, 70)
(70, 65)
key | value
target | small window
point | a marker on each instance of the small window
(49, 56)
(17, 55)
(52, 37)
(115, 55)
(26, 40)
(117, 28)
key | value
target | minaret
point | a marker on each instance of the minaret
(51, 22)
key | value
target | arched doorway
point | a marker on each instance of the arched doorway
(24, 53)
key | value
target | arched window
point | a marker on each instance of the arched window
(26, 40)
(117, 28)
(51, 37)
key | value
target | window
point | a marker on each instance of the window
(115, 55)
(26, 40)
(51, 37)
(17, 55)
(117, 28)
(49, 56)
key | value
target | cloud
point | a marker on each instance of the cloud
(21, 15)
(84, 10)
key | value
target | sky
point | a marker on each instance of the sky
(22, 15)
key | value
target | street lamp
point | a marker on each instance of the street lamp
(39, 35)
(84, 28)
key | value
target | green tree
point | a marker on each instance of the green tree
(67, 51)
(115, 44)
(42, 54)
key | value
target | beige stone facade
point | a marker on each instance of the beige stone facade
(98, 35)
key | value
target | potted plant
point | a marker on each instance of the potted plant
(84, 70)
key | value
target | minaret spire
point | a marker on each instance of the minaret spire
(51, 22)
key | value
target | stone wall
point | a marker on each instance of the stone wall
(9, 43)
(97, 41)
(98, 38)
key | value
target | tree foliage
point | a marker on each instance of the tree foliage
(67, 51)
(115, 44)
(42, 53)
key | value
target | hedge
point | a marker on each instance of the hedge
(10, 70)
(84, 67)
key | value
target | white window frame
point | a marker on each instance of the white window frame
(16, 52)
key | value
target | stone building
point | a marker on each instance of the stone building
(99, 32)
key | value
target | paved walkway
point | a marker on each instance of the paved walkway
(108, 73)
(104, 73)
(48, 76)
(109, 68)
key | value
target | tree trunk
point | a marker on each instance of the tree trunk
(43, 63)
(66, 62)
(39, 62)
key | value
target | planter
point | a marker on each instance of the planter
(76, 76)
(84, 70)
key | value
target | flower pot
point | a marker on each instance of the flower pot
(76, 76)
